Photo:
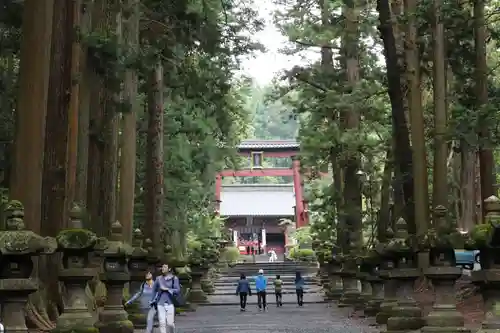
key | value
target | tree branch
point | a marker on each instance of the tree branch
(306, 44)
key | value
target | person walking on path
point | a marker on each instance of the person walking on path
(144, 295)
(278, 286)
(165, 289)
(299, 288)
(260, 288)
(243, 290)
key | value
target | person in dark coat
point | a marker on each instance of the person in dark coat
(243, 290)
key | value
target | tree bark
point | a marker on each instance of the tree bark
(83, 119)
(60, 149)
(352, 182)
(109, 161)
(154, 198)
(402, 150)
(467, 186)
(26, 182)
(440, 172)
(129, 135)
(485, 153)
(417, 120)
(57, 144)
(384, 215)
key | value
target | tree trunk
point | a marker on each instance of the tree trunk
(352, 183)
(385, 195)
(440, 172)
(26, 182)
(421, 194)
(109, 161)
(467, 186)
(402, 150)
(57, 189)
(154, 198)
(83, 120)
(128, 146)
(485, 153)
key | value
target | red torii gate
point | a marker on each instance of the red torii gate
(256, 150)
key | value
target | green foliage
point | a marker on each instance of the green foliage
(305, 255)
(202, 252)
(303, 236)
(230, 255)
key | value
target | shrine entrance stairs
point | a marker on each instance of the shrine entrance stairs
(225, 286)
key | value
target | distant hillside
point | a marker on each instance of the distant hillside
(270, 120)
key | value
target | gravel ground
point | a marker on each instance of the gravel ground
(312, 318)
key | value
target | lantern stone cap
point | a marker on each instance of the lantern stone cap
(76, 215)
(492, 204)
(115, 247)
(16, 240)
(137, 242)
(76, 237)
(440, 211)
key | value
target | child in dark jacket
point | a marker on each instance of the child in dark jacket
(243, 290)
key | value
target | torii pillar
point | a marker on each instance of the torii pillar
(300, 212)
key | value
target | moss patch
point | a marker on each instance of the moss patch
(76, 238)
(75, 330)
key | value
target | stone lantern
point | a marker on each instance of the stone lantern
(113, 318)
(138, 267)
(152, 259)
(351, 294)
(372, 265)
(364, 270)
(406, 315)
(17, 247)
(443, 273)
(488, 234)
(389, 284)
(333, 271)
(76, 243)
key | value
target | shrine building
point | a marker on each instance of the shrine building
(253, 212)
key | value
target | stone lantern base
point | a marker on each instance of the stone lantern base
(444, 317)
(372, 307)
(197, 295)
(406, 315)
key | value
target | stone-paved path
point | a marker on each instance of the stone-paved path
(312, 318)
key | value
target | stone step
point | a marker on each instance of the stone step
(269, 285)
(288, 300)
(285, 285)
(285, 279)
(270, 291)
(266, 272)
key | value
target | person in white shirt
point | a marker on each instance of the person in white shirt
(273, 256)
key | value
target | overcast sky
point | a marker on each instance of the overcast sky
(264, 66)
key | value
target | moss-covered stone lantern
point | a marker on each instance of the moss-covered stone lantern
(364, 270)
(113, 318)
(406, 315)
(389, 284)
(372, 263)
(17, 247)
(152, 258)
(441, 241)
(488, 234)
(333, 283)
(138, 267)
(350, 295)
(76, 243)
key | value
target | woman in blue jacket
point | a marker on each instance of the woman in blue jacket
(299, 288)
(243, 290)
(144, 295)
